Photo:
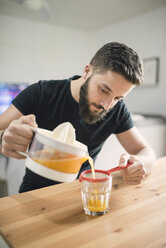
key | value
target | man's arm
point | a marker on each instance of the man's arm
(139, 152)
(16, 137)
(12, 113)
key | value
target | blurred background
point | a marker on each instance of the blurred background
(55, 39)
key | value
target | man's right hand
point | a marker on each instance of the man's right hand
(17, 136)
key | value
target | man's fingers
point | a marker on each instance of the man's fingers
(135, 173)
(16, 147)
(124, 160)
(134, 178)
(17, 129)
(8, 138)
(18, 136)
(13, 154)
(133, 182)
(139, 172)
(135, 167)
(28, 119)
(9, 150)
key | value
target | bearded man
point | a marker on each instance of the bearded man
(92, 103)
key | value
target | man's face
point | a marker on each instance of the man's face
(100, 93)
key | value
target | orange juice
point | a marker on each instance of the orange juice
(62, 162)
(92, 166)
(69, 165)
(96, 205)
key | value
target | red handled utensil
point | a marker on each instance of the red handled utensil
(84, 174)
(119, 168)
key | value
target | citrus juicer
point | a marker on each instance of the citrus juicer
(56, 155)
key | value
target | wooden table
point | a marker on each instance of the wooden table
(54, 217)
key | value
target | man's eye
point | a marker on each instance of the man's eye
(103, 91)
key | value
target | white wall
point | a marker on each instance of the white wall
(30, 51)
(112, 150)
(147, 35)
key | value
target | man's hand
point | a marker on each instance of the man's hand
(17, 136)
(135, 173)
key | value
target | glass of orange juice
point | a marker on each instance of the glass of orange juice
(95, 191)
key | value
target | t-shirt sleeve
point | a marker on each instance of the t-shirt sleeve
(28, 100)
(124, 120)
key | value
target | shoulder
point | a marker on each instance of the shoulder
(48, 87)
(52, 83)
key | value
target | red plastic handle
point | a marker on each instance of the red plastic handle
(119, 168)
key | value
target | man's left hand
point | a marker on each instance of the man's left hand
(135, 173)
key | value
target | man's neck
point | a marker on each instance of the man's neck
(75, 88)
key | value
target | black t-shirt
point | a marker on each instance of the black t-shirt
(52, 104)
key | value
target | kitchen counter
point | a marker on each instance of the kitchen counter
(54, 216)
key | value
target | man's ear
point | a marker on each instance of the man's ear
(87, 71)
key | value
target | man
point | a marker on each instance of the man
(92, 103)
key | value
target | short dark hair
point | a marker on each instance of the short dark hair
(121, 59)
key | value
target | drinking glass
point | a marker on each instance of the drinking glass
(95, 192)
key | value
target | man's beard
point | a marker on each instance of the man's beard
(84, 106)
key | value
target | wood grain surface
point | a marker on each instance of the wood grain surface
(54, 217)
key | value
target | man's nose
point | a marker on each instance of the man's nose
(107, 104)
